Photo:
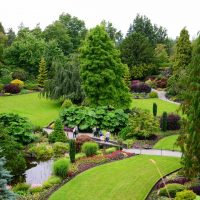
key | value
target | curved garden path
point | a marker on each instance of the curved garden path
(162, 96)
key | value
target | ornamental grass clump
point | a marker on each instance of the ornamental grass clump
(61, 167)
(90, 148)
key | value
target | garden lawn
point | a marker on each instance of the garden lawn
(167, 143)
(39, 111)
(129, 179)
(162, 105)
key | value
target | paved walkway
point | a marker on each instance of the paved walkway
(162, 96)
(156, 152)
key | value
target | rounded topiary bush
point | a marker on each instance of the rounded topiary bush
(172, 189)
(61, 167)
(90, 148)
(153, 94)
(12, 88)
(67, 103)
(185, 195)
(18, 82)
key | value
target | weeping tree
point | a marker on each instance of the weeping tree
(190, 142)
(66, 82)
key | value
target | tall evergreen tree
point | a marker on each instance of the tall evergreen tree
(5, 178)
(182, 59)
(191, 107)
(42, 76)
(102, 71)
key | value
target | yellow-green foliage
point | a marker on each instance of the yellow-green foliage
(18, 82)
(52, 180)
(185, 195)
(42, 76)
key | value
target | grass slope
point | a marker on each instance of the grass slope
(40, 111)
(148, 104)
(167, 143)
(128, 179)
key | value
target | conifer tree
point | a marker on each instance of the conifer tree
(42, 76)
(182, 60)
(191, 107)
(5, 177)
(102, 71)
(72, 150)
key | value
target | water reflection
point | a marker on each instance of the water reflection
(40, 173)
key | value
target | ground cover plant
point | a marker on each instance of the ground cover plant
(118, 180)
(38, 110)
(167, 143)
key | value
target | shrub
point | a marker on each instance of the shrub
(80, 155)
(172, 189)
(60, 148)
(153, 94)
(90, 148)
(129, 143)
(18, 83)
(52, 180)
(31, 86)
(185, 195)
(161, 83)
(67, 103)
(72, 150)
(140, 87)
(1, 87)
(36, 189)
(58, 134)
(141, 125)
(155, 109)
(12, 88)
(18, 127)
(151, 83)
(163, 122)
(21, 187)
(41, 151)
(195, 189)
(173, 122)
(80, 140)
(61, 167)
(110, 150)
(20, 74)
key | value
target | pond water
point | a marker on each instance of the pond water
(39, 173)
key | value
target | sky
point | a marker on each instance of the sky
(171, 14)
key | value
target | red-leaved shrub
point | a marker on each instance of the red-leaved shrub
(140, 87)
(12, 88)
(80, 140)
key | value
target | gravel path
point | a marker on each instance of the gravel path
(154, 152)
(162, 96)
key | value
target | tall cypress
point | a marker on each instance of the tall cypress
(42, 76)
(191, 107)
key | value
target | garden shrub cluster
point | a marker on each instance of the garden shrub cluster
(90, 148)
(18, 127)
(140, 87)
(141, 125)
(80, 140)
(18, 83)
(86, 117)
(60, 148)
(20, 74)
(172, 189)
(172, 122)
(153, 94)
(52, 180)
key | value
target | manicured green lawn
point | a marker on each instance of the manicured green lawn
(128, 179)
(148, 104)
(167, 143)
(40, 111)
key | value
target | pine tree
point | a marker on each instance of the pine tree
(72, 150)
(5, 177)
(42, 76)
(191, 107)
(58, 134)
(102, 71)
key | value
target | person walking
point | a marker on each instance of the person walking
(107, 136)
(75, 131)
(101, 136)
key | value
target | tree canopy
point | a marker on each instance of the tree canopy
(102, 71)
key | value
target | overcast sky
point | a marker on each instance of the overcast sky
(171, 14)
